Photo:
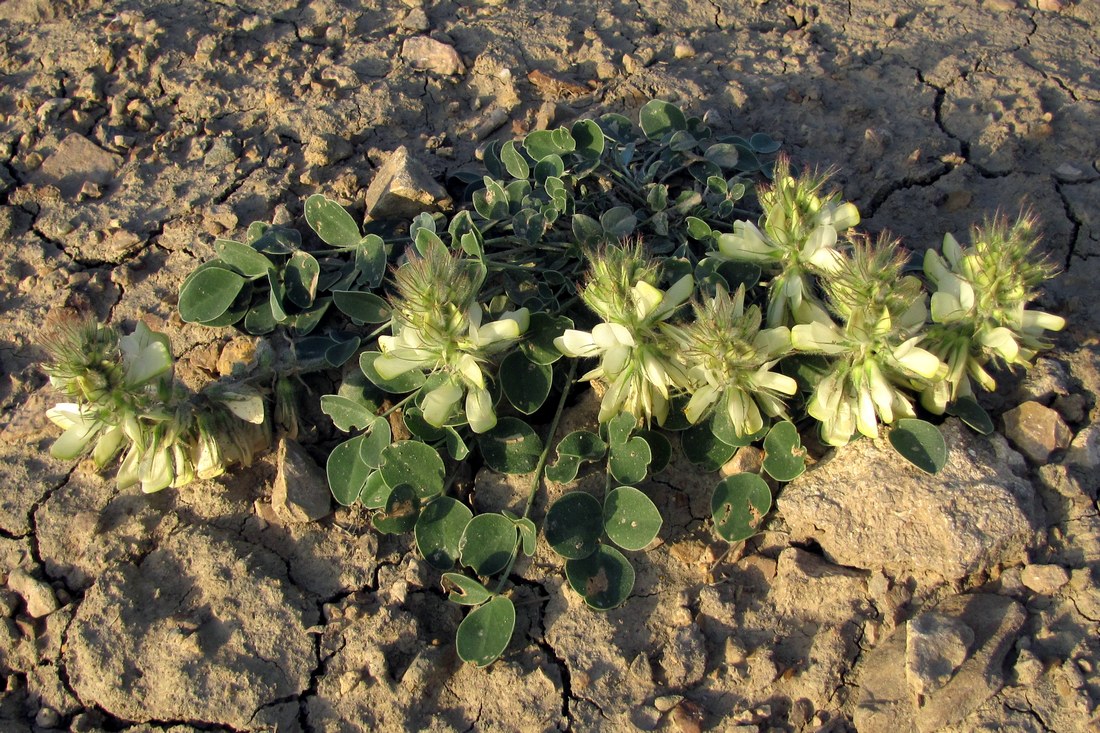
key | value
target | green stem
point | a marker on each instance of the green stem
(400, 404)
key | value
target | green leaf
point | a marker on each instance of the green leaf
(921, 443)
(551, 168)
(604, 579)
(543, 143)
(337, 354)
(243, 258)
(620, 427)
(333, 224)
(300, 278)
(413, 417)
(456, 446)
(207, 293)
(277, 298)
(362, 307)
(439, 530)
(703, 448)
(347, 473)
(357, 388)
(376, 439)
(528, 535)
(739, 505)
(375, 491)
(259, 320)
(763, 143)
(525, 383)
(586, 230)
(401, 513)
(512, 446)
(659, 118)
(630, 518)
(784, 456)
(464, 590)
(370, 260)
(660, 449)
(413, 463)
(538, 342)
(589, 139)
(487, 543)
(970, 412)
(630, 461)
(697, 228)
(491, 202)
(723, 155)
(407, 382)
(574, 524)
(346, 414)
(514, 161)
(619, 222)
(578, 446)
(485, 632)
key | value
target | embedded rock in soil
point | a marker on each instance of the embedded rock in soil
(1036, 431)
(888, 704)
(301, 492)
(77, 161)
(403, 188)
(205, 628)
(935, 646)
(869, 508)
(38, 596)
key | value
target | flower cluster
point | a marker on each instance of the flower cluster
(125, 402)
(797, 239)
(438, 327)
(874, 347)
(978, 307)
(635, 343)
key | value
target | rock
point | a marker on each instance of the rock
(1084, 456)
(1036, 431)
(685, 658)
(687, 717)
(416, 20)
(935, 647)
(301, 492)
(885, 704)
(1072, 407)
(323, 150)
(1044, 381)
(664, 703)
(868, 508)
(1044, 579)
(1028, 667)
(403, 188)
(213, 631)
(748, 458)
(37, 595)
(683, 50)
(428, 54)
(77, 160)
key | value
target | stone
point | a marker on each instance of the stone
(683, 50)
(1044, 579)
(326, 149)
(885, 703)
(76, 161)
(869, 508)
(748, 458)
(403, 188)
(37, 595)
(1084, 456)
(935, 647)
(300, 492)
(416, 20)
(1036, 431)
(428, 54)
(685, 658)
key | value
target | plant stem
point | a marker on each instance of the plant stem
(400, 404)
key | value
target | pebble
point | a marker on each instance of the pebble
(1044, 579)
(631, 65)
(1072, 407)
(683, 50)
(1028, 667)
(38, 595)
(1069, 172)
(1051, 6)
(664, 703)
(688, 717)
(1036, 431)
(416, 20)
(748, 459)
(428, 54)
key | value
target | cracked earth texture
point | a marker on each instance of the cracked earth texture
(132, 134)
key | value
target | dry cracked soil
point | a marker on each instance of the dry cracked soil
(132, 134)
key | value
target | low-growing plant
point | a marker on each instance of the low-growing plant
(717, 298)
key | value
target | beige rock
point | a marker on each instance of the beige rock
(403, 188)
(868, 508)
(76, 161)
(428, 54)
(1044, 579)
(301, 492)
(1036, 430)
(37, 595)
(936, 645)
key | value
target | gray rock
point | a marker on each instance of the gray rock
(935, 647)
(1044, 579)
(301, 492)
(428, 54)
(868, 508)
(885, 704)
(37, 595)
(403, 188)
(1036, 431)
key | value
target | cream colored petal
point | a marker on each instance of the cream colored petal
(700, 402)
(479, 410)
(576, 343)
(439, 404)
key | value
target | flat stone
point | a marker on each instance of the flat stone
(428, 54)
(301, 492)
(403, 188)
(76, 161)
(1036, 431)
(867, 507)
(685, 658)
(38, 596)
(935, 647)
(1044, 579)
